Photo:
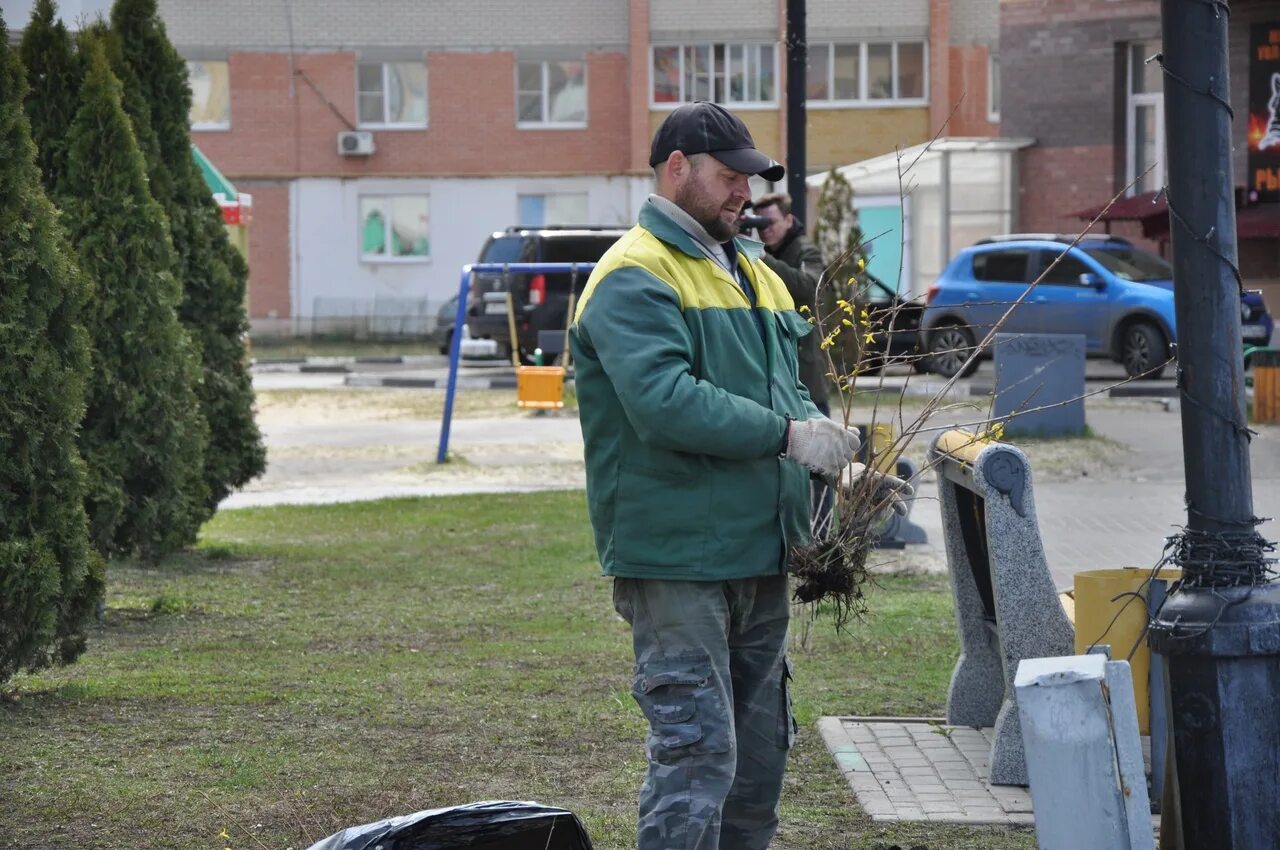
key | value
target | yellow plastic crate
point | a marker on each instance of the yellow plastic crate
(540, 387)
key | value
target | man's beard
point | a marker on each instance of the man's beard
(693, 200)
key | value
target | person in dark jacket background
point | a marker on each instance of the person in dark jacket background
(793, 257)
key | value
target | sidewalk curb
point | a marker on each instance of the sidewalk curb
(463, 383)
(331, 364)
(1143, 391)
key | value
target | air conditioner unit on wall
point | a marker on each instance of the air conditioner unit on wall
(355, 143)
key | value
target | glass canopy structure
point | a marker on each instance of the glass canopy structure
(919, 205)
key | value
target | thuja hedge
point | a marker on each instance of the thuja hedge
(144, 434)
(211, 272)
(50, 578)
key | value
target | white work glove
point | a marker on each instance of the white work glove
(881, 489)
(822, 444)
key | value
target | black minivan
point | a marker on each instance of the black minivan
(541, 300)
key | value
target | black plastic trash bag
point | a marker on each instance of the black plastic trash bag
(494, 825)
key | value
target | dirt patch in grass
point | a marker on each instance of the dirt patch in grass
(355, 404)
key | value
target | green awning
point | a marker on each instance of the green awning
(214, 178)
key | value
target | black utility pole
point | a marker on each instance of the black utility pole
(797, 73)
(1221, 629)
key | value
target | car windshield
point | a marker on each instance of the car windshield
(504, 249)
(1129, 263)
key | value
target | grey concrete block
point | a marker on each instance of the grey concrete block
(1040, 383)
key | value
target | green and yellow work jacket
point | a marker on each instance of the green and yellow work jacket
(684, 392)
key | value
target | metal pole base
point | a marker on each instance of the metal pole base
(1223, 688)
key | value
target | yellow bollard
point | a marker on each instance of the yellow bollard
(1106, 613)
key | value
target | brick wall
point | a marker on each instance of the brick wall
(471, 121)
(638, 86)
(1055, 13)
(713, 18)
(1076, 94)
(941, 98)
(975, 22)
(269, 259)
(762, 123)
(868, 18)
(842, 136)
(1054, 182)
(969, 86)
(351, 24)
(1071, 47)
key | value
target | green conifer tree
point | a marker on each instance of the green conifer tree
(50, 578)
(144, 435)
(212, 273)
(839, 238)
(54, 77)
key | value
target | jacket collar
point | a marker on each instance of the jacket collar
(662, 226)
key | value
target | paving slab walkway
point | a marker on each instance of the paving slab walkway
(920, 769)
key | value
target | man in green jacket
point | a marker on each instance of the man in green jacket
(700, 441)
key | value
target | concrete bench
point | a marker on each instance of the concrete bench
(1007, 608)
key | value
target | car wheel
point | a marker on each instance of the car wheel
(949, 349)
(1142, 351)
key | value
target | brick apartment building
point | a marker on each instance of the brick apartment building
(1096, 113)
(475, 115)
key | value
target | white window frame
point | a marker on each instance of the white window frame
(863, 101)
(215, 126)
(993, 87)
(545, 124)
(1132, 103)
(395, 125)
(750, 49)
(388, 258)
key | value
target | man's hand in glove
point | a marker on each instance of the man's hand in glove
(822, 444)
(878, 488)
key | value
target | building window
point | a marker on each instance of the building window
(743, 74)
(993, 88)
(1144, 147)
(560, 208)
(551, 94)
(392, 94)
(394, 228)
(210, 95)
(878, 73)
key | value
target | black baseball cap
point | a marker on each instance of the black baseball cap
(703, 127)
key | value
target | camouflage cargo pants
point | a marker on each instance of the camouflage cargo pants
(711, 676)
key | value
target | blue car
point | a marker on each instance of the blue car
(1118, 296)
